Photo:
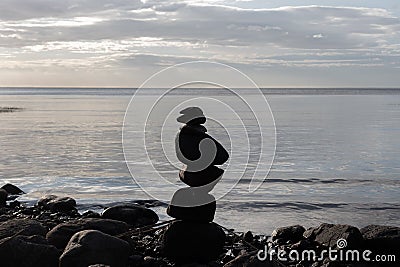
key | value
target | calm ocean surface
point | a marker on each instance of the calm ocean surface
(337, 158)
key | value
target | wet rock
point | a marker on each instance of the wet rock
(57, 204)
(289, 233)
(382, 239)
(3, 197)
(248, 236)
(94, 247)
(14, 204)
(28, 251)
(25, 227)
(61, 234)
(193, 242)
(192, 205)
(134, 215)
(329, 234)
(90, 214)
(28, 211)
(149, 261)
(12, 189)
(389, 235)
(207, 177)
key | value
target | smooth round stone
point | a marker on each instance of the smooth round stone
(24, 251)
(57, 204)
(207, 177)
(26, 227)
(187, 147)
(185, 242)
(192, 110)
(189, 120)
(93, 247)
(192, 116)
(134, 215)
(190, 204)
(12, 189)
(62, 233)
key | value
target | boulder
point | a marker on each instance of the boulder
(187, 147)
(185, 242)
(25, 227)
(12, 189)
(248, 236)
(329, 234)
(90, 214)
(192, 204)
(57, 204)
(292, 234)
(3, 197)
(94, 247)
(385, 239)
(207, 177)
(134, 215)
(389, 235)
(26, 251)
(62, 233)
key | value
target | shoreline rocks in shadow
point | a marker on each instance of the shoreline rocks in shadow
(9, 192)
(133, 215)
(89, 247)
(38, 236)
(62, 233)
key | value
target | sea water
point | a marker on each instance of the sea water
(336, 161)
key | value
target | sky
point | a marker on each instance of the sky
(285, 43)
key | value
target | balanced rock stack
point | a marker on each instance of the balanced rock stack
(194, 237)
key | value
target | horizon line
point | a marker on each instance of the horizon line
(123, 87)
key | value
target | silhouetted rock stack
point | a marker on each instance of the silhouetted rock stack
(194, 237)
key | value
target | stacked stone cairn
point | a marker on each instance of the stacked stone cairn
(194, 237)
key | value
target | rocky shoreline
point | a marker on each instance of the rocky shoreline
(54, 233)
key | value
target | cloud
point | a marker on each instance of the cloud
(30, 9)
(125, 33)
(295, 27)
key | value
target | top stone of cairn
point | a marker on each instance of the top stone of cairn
(192, 116)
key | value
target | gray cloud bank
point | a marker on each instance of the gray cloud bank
(65, 36)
